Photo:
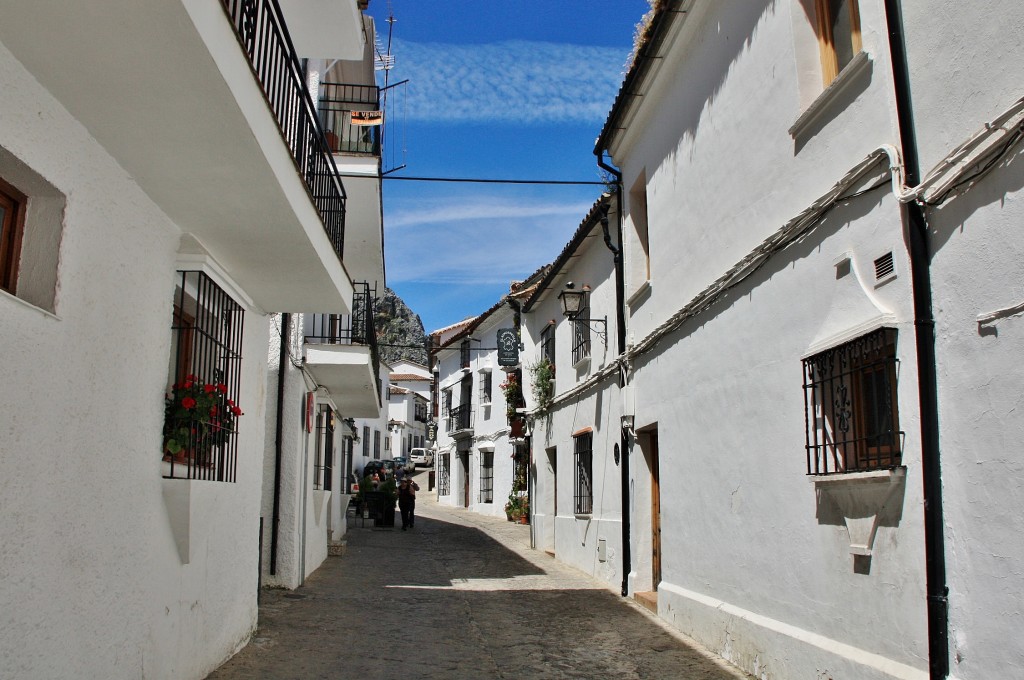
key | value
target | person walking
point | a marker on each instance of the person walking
(407, 502)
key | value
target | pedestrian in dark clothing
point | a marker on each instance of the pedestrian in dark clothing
(407, 502)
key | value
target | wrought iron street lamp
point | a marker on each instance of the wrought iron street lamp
(573, 302)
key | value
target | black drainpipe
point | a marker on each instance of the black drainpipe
(620, 325)
(278, 431)
(924, 327)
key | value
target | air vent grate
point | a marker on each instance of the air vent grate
(885, 267)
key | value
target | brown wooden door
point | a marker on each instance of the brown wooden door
(465, 479)
(655, 512)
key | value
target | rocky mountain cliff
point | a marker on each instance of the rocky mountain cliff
(398, 325)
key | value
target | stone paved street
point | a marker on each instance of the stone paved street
(460, 596)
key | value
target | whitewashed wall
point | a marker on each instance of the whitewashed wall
(754, 563)
(591, 542)
(94, 585)
(958, 60)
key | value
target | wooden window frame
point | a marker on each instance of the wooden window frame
(826, 40)
(11, 233)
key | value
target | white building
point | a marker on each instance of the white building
(159, 217)
(482, 450)
(779, 358)
(408, 406)
(575, 443)
(329, 360)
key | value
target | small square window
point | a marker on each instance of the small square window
(851, 409)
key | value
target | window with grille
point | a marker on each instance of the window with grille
(446, 409)
(851, 408)
(323, 454)
(444, 474)
(376, 444)
(839, 36)
(485, 387)
(487, 476)
(206, 355)
(547, 343)
(581, 332)
(583, 451)
(464, 354)
(12, 225)
(366, 441)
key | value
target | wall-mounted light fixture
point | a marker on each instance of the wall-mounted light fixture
(573, 302)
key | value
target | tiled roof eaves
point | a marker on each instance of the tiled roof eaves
(586, 226)
(642, 63)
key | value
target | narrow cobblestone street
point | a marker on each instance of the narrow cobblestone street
(460, 596)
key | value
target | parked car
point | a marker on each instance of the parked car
(403, 462)
(421, 457)
(378, 467)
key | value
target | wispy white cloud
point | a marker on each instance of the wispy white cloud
(480, 242)
(443, 213)
(517, 81)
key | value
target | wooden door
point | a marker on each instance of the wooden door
(655, 512)
(465, 479)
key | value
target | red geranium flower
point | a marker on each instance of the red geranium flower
(213, 410)
(188, 384)
(236, 411)
(223, 388)
(209, 388)
(188, 402)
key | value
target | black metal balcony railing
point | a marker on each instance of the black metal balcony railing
(349, 329)
(338, 101)
(461, 418)
(261, 30)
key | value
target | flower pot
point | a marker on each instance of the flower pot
(524, 519)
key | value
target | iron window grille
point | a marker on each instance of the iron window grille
(322, 461)
(446, 409)
(376, 444)
(206, 337)
(547, 343)
(583, 449)
(366, 441)
(581, 332)
(487, 476)
(485, 387)
(464, 354)
(851, 410)
(444, 474)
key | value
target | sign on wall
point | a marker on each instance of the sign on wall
(508, 347)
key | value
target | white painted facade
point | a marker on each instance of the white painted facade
(740, 262)
(474, 463)
(110, 569)
(575, 509)
(959, 77)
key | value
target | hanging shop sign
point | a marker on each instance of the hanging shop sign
(508, 347)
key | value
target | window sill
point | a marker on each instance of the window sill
(640, 295)
(28, 305)
(583, 364)
(861, 498)
(823, 102)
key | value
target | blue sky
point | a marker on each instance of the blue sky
(514, 89)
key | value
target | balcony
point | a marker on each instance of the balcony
(460, 422)
(345, 114)
(203, 104)
(341, 352)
